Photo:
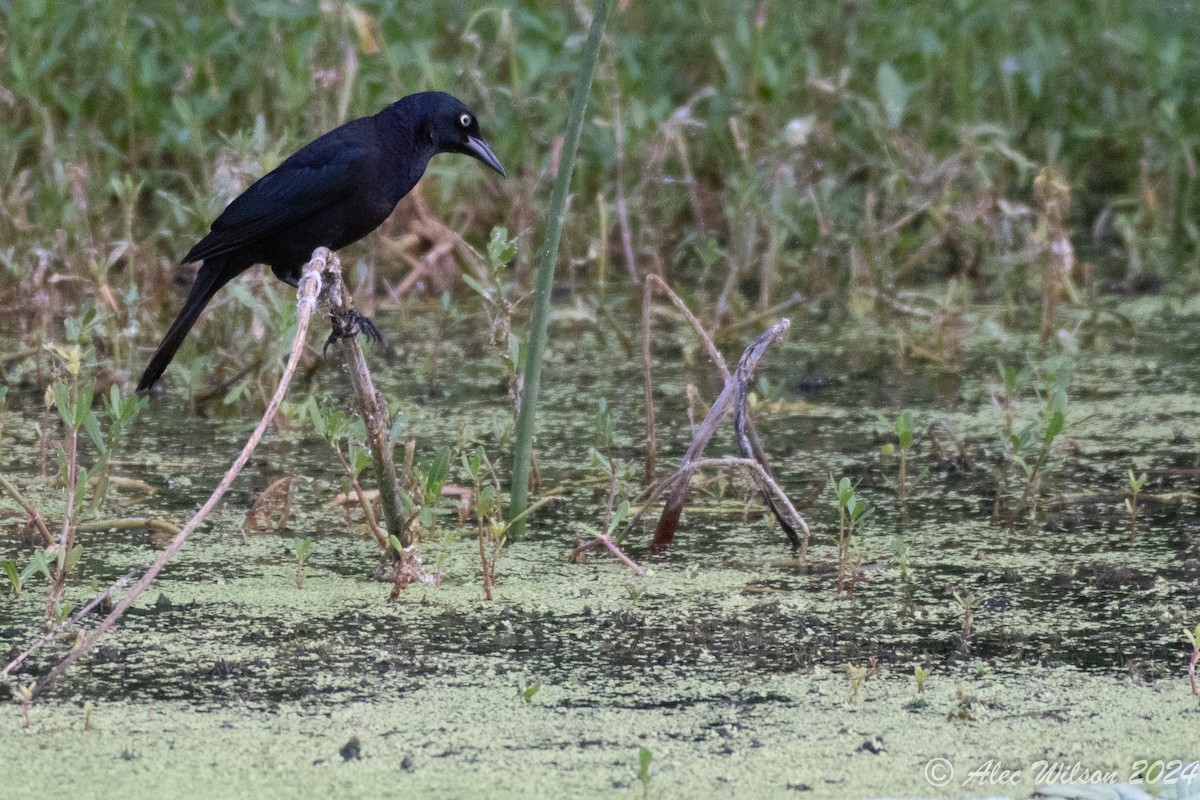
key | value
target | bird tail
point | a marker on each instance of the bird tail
(211, 277)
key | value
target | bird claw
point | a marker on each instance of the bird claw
(351, 324)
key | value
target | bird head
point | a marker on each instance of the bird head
(453, 128)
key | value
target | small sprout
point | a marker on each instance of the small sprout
(23, 694)
(901, 550)
(604, 425)
(967, 604)
(920, 674)
(527, 691)
(644, 759)
(850, 510)
(1136, 482)
(857, 676)
(905, 427)
(303, 550)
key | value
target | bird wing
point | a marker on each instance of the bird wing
(315, 177)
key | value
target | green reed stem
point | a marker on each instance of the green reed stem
(536, 344)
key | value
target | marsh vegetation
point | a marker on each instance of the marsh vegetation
(981, 224)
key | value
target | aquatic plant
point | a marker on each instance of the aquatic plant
(920, 675)
(496, 289)
(850, 510)
(555, 213)
(856, 677)
(905, 427)
(645, 757)
(967, 604)
(1136, 482)
(1030, 448)
(303, 549)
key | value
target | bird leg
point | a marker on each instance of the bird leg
(349, 324)
(345, 325)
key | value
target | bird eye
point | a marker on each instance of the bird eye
(465, 120)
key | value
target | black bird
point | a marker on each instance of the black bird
(331, 192)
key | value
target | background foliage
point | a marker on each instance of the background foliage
(842, 150)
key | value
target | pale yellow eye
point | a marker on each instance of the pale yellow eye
(465, 120)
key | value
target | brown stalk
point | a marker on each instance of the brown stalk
(715, 356)
(374, 408)
(27, 507)
(606, 529)
(127, 523)
(66, 539)
(619, 177)
(648, 380)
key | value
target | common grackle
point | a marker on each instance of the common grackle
(333, 191)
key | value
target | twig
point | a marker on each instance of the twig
(732, 394)
(51, 635)
(66, 539)
(374, 409)
(27, 507)
(648, 380)
(715, 355)
(603, 538)
(126, 523)
(685, 471)
(310, 287)
(363, 501)
(619, 179)
(740, 418)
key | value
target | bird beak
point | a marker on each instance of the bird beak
(478, 148)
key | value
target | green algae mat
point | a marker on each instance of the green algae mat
(980, 652)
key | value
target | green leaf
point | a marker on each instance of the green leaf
(83, 408)
(644, 759)
(1021, 463)
(40, 562)
(904, 429)
(436, 476)
(893, 93)
(398, 428)
(62, 402)
(1054, 426)
(304, 548)
(10, 569)
(1058, 400)
(619, 516)
(1193, 636)
(92, 424)
(73, 557)
(478, 288)
(316, 417)
(501, 250)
